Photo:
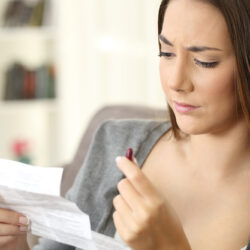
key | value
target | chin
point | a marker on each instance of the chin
(191, 130)
(198, 126)
(192, 126)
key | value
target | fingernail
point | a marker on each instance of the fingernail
(118, 159)
(135, 160)
(23, 228)
(23, 220)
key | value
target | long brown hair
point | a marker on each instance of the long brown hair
(237, 16)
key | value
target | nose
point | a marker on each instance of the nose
(179, 77)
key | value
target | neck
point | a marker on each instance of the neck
(223, 154)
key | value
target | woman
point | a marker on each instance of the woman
(192, 189)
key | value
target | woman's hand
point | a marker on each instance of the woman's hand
(13, 230)
(143, 218)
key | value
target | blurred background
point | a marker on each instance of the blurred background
(63, 60)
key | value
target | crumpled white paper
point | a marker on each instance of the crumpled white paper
(35, 192)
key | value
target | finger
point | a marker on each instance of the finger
(124, 230)
(12, 217)
(136, 177)
(135, 161)
(8, 230)
(122, 207)
(130, 195)
(5, 240)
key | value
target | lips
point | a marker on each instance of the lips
(184, 107)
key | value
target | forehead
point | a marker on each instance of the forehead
(194, 22)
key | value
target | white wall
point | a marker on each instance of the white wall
(107, 54)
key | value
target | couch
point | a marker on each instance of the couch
(106, 113)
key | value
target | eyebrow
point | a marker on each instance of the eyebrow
(191, 48)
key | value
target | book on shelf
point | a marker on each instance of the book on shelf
(21, 13)
(37, 14)
(29, 84)
(45, 82)
(23, 84)
(14, 82)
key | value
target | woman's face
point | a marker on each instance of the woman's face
(197, 67)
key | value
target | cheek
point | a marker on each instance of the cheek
(218, 88)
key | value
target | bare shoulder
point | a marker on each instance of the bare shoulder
(225, 206)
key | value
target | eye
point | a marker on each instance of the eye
(166, 55)
(206, 64)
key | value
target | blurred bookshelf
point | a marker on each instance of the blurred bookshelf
(28, 106)
(15, 107)
(41, 33)
(100, 50)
